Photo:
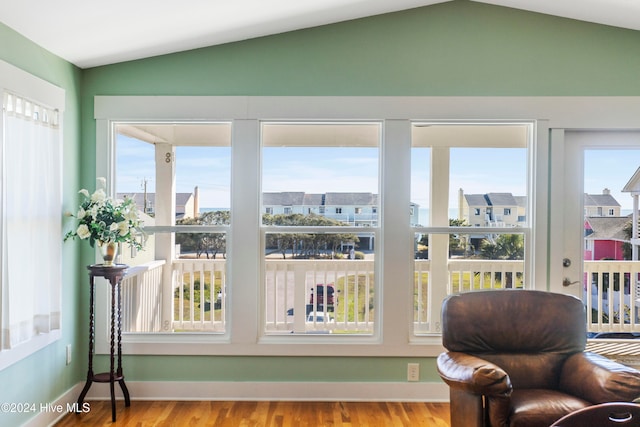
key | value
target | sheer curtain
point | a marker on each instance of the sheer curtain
(31, 221)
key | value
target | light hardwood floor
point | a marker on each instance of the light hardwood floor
(263, 414)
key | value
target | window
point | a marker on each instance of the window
(31, 141)
(314, 272)
(474, 164)
(248, 301)
(181, 173)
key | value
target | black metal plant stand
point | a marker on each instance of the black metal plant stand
(114, 274)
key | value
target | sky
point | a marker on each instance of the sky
(611, 169)
(351, 169)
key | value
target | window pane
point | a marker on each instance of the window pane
(488, 186)
(199, 160)
(320, 175)
(328, 170)
(467, 175)
(204, 172)
(322, 277)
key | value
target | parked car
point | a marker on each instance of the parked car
(320, 317)
(321, 297)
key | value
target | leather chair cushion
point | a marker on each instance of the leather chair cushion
(537, 370)
(537, 407)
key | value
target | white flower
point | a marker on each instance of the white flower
(81, 213)
(98, 195)
(84, 192)
(113, 226)
(123, 228)
(83, 231)
(132, 214)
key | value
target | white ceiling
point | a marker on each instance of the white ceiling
(91, 33)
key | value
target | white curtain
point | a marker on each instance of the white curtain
(31, 221)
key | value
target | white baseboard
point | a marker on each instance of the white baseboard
(230, 391)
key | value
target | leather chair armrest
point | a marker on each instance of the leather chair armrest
(598, 379)
(473, 374)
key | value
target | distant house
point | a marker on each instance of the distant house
(356, 209)
(492, 209)
(604, 236)
(601, 204)
(186, 203)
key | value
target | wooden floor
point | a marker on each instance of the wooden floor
(263, 414)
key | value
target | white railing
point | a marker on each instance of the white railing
(464, 275)
(612, 296)
(290, 284)
(198, 290)
(142, 298)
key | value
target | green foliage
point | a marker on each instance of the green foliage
(209, 244)
(626, 246)
(457, 242)
(506, 246)
(306, 245)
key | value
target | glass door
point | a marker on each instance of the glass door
(599, 259)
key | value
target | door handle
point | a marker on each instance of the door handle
(567, 282)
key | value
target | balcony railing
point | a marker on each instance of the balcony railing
(291, 304)
(612, 296)
(142, 298)
(199, 287)
(464, 275)
(294, 303)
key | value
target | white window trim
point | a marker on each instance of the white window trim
(16, 80)
(397, 114)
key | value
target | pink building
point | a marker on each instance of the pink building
(604, 237)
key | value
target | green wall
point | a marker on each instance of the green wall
(456, 48)
(44, 376)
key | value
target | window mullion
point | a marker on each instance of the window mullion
(245, 258)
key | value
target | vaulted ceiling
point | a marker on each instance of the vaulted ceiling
(89, 33)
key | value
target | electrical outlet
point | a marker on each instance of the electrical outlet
(413, 372)
(68, 354)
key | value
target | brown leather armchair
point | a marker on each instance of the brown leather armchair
(515, 358)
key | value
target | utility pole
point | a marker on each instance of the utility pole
(144, 187)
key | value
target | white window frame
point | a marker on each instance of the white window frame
(18, 81)
(549, 113)
(439, 229)
(374, 231)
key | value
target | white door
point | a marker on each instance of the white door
(589, 170)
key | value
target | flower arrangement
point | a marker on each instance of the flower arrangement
(104, 220)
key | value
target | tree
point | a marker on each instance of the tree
(626, 246)
(208, 243)
(305, 245)
(506, 246)
(457, 242)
